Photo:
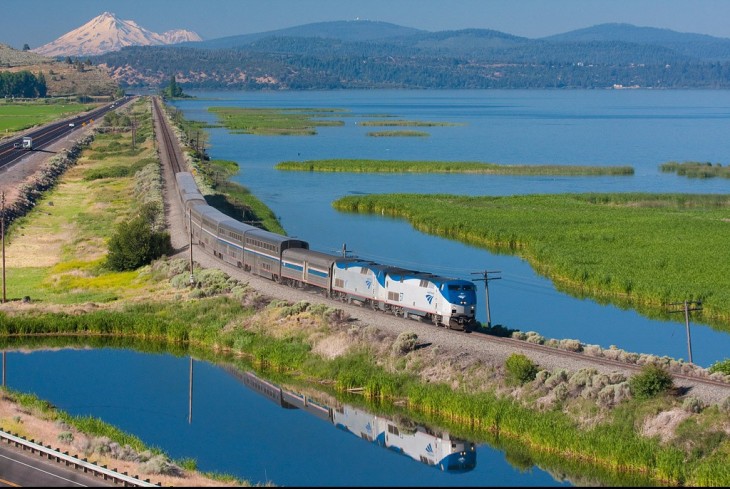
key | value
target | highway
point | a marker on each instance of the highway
(49, 133)
(22, 469)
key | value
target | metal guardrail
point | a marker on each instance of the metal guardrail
(79, 464)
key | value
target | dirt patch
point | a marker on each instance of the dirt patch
(664, 424)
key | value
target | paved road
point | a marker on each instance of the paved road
(19, 468)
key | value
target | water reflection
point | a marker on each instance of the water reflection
(419, 442)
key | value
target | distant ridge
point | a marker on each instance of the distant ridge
(370, 54)
(343, 30)
(106, 33)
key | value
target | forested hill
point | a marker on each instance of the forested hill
(364, 54)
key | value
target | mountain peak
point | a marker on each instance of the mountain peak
(107, 32)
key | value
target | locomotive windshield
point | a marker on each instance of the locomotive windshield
(461, 287)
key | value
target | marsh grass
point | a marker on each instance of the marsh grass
(696, 169)
(635, 249)
(613, 444)
(275, 121)
(407, 123)
(396, 166)
(236, 200)
(397, 134)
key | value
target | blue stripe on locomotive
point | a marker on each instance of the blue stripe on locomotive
(311, 271)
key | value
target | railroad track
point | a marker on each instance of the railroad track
(169, 142)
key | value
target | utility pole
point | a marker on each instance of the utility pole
(687, 307)
(2, 233)
(344, 250)
(190, 394)
(190, 226)
(134, 130)
(486, 280)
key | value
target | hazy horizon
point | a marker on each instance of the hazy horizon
(38, 22)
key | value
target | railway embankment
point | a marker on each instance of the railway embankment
(576, 406)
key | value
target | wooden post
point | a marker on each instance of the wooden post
(190, 394)
(686, 325)
(2, 232)
(190, 225)
(486, 280)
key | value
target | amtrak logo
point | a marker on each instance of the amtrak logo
(429, 298)
(462, 296)
(429, 449)
(368, 428)
(368, 283)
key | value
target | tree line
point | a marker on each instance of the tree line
(22, 84)
(252, 69)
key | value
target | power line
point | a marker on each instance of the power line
(486, 278)
(688, 306)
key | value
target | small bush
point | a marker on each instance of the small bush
(650, 382)
(722, 367)
(65, 437)
(692, 405)
(405, 343)
(135, 243)
(520, 369)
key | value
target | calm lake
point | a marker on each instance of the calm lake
(237, 431)
(639, 128)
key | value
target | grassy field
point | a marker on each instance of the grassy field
(642, 250)
(16, 117)
(55, 254)
(396, 166)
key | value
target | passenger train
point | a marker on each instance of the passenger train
(411, 294)
(433, 448)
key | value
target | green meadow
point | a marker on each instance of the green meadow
(19, 116)
(397, 166)
(640, 250)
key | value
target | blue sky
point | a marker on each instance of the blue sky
(37, 22)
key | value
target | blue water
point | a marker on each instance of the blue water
(236, 431)
(639, 128)
(231, 429)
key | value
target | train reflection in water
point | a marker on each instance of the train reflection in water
(418, 442)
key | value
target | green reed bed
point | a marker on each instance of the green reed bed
(236, 200)
(407, 123)
(276, 121)
(696, 169)
(395, 166)
(645, 249)
(613, 443)
(398, 134)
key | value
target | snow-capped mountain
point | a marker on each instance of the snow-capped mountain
(108, 33)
